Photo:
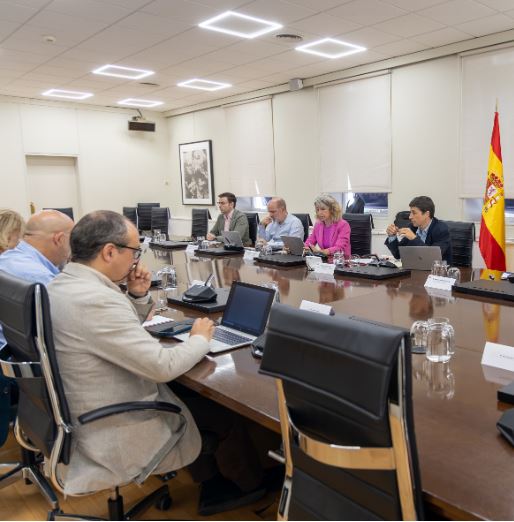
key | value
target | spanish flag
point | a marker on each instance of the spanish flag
(492, 226)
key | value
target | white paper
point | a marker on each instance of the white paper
(498, 356)
(197, 282)
(439, 282)
(313, 261)
(315, 307)
(191, 249)
(157, 319)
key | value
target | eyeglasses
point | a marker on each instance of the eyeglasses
(137, 252)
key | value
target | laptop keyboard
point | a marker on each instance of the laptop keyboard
(230, 338)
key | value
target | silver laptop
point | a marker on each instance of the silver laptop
(294, 244)
(419, 257)
(232, 238)
(244, 318)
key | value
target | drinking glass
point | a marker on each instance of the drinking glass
(338, 258)
(267, 250)
(440, 380)
(156, 235)
(454, 273)
(199, 241)
(168, 277)
(440, 340)
(162, 238)
(162, 300)
(418, 336)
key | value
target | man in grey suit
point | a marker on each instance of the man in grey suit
(230, 219)
(105, 357)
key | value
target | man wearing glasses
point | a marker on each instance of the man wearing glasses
(230, 219)
(105, 357)
(43, 251)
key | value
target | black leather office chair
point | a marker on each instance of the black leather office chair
(160, 219)
(344, 391)
(360, 238)
(401, 220)
(306, 222)
(462, 236)
(144, 215)
(131, 213)
(66, 210)
(253, 223)
(356, 206)
(199, 222)
(44, 423)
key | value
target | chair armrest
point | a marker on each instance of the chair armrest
(123, 407)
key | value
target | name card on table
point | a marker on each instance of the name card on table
(191, 249)
(309, 306)
(313, 261)
(439, 282)
(146, 242)
(250, 255)
(324, 268)
(499, 356)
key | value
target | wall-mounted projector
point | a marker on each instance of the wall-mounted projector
(138, 123)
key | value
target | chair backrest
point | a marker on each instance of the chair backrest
(401, 219)
(131, 213)
(144, 215)
(306, 222)
(462, 237)
(360, 238)
(66, 210)
(160, 219)
(344, 389)
(29, 357)
(253, 223)
(199, 222)
(356, 206)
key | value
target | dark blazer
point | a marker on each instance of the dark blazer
(438, 235)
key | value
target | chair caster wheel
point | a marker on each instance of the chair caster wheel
(164, 503)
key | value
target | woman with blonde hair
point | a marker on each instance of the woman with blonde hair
(331, 233)
(12, 227)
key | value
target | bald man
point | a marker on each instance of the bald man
(279, 223)
(45, 248)
(42, 253)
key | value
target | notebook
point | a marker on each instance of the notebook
(244, 318)
(419, 257)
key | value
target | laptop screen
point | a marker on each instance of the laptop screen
(248, 308)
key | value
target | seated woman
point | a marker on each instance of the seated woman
(12, 227)
(331, 233)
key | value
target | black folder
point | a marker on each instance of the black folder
(371, 272)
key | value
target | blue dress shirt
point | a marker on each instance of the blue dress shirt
(28, 263)
(291, 226)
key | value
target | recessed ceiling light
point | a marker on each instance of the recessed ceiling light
(137, 102)
(330, 48)
(70, 95)
(238, 24)
(204, 85)
(122, 72)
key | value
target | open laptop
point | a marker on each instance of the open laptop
(244, 318)
(419, 257)
(294, 244)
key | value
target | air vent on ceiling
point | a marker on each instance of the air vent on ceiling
(286, 37)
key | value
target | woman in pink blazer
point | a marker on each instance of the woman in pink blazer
(331, 233)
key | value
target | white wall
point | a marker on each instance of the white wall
(115, 167)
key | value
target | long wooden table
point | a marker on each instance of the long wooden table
(467, 468)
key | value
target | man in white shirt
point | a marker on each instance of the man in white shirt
(279, 223)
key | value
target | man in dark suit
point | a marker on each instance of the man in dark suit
(424, 230)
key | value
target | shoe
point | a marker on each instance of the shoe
(220, 494)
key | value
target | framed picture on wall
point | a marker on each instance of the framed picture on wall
(196, 173)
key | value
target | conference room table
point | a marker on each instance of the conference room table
(467, 468)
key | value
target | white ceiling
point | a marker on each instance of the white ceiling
(162, 35)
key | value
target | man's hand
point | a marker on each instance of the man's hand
(408, 233)
(392, 230)
(203, 327)
(265, 221)
(139, 280)
(211, 237)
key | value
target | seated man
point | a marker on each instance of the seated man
(279, 223)
(42, 253)
(230, 219)
(105, 357)
(425, 230)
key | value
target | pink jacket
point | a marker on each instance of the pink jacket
(340, 241)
